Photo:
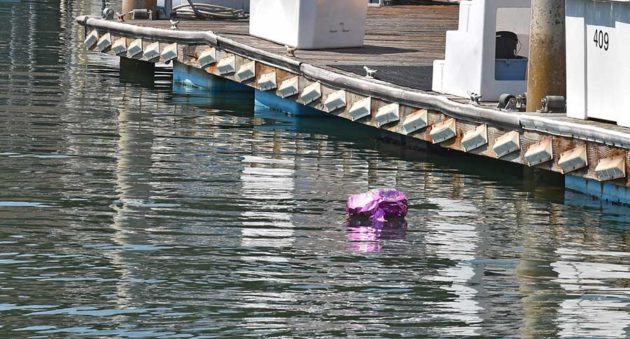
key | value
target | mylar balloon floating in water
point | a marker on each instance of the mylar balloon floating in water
(380, 204)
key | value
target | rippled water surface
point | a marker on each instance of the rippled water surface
(129, 210)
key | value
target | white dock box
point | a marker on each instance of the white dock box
(476, 58)
(598, 60)
(310, 24)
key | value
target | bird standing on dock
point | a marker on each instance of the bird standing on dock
(290, 50)
(369, 72)
(174, 24)
(120, 17)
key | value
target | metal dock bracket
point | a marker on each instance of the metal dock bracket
(227, 65)
(361, 109)
(444, 131)
(611, 168)
(573, 160)
(387, 114)
(267, 81)
(104, 43)
(91, 39)
(152, 52)
(335, 101)
(415, 122)
(475, 138)
(169, 53)
(247, 71)
(135, 49)
(539, 153)
(506, 144)
(311, 93)
(207, 58)
(289, 87)
(120, 47)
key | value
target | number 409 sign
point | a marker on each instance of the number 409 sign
(601, 39)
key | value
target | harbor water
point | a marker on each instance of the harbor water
(133, 207)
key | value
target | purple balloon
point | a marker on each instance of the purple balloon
(379, 204)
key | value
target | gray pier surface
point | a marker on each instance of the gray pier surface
(401, 43)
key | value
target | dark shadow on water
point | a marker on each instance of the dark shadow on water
(544, 184)
(137, 72)
(548, 184)
(238, 103)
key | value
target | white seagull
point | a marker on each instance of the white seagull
(369, 72)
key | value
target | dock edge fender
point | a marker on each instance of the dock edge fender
(256, 54)
(574, 130)
(413, 98)
(148, 32)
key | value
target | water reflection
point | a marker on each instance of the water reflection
(267, 185)
(591, 280)
(135, 211)
(133, 178)
(459, 243)
(366, 236)
(536, 278)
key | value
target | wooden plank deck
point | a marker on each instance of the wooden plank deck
(401, 42)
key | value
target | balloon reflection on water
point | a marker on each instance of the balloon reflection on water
(366, 235)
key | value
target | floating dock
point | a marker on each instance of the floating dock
(401, 43)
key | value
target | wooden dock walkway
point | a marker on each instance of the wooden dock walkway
(401, 43)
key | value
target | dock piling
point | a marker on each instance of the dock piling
(547, 64)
